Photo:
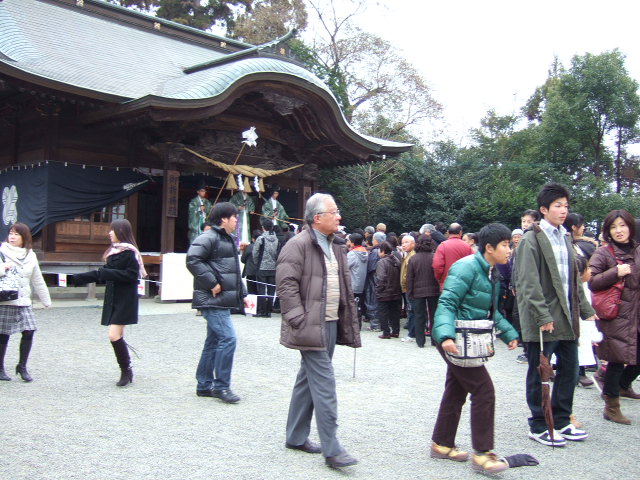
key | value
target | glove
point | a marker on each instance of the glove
(521, 460)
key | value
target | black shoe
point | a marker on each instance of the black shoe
(308, 446)
(205, 393)
(226, 396)
(4, 376)
(22, 371)
(126, 377)
(339, 461)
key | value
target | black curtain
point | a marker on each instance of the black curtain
(51, 192)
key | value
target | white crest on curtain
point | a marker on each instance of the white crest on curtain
(9, 208)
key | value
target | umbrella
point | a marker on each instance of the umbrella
(545, 371)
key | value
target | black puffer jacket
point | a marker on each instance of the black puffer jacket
(213, 258)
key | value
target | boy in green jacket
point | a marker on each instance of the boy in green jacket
(471, 292)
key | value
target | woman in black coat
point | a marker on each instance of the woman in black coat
(121, 272)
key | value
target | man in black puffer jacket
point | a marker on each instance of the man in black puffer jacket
(213, 261)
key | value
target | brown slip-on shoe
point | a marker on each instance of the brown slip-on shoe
(342, 460)
(450, 453)
(308, 446)
(488, 463)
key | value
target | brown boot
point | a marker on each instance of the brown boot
(612, 410)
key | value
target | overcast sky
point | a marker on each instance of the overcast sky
(487, 54)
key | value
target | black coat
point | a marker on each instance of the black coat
(247, 258)
(120, 273)
(212, 259)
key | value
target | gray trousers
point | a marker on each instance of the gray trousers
(315, 388)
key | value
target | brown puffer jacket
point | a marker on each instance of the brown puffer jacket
(621, 333)
(388, 279)
(301, 286)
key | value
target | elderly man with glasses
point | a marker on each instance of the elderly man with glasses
(318, 311)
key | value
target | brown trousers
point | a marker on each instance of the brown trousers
(461, 381)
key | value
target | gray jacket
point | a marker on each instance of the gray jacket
(357, 260)
(268, 243)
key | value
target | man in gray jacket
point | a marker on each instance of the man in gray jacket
(265, 255)
(551, 300)
(318, 312)
(357, 258)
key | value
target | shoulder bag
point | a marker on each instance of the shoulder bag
(9, 283)
(475, 343)
(606, 302)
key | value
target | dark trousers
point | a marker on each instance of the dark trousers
(424, 309)
(460, 382)
(563, 386)
(265, 304)
(389, 316)
(252, 286)
(617, 375)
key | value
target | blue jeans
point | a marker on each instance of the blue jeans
(214, 369)
(563, 386)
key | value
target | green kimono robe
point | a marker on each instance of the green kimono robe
(197, 218)
(268, 212)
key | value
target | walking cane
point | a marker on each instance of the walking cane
(354, 363)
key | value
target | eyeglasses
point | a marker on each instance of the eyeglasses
(334, 213)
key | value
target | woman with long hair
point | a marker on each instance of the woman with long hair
(123, 267)
(620, 260)
(17, 315)
(585, 246)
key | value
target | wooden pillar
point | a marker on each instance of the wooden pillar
(170, 190)
(305, 190)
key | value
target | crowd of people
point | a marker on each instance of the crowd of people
(533, 283)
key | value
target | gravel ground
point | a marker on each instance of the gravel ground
(72, 422)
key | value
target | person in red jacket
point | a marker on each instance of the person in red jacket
(449, 252)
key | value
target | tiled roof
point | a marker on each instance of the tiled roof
(59, 41)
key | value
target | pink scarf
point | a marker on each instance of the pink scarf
(121, 247)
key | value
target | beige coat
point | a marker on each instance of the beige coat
(301, 285)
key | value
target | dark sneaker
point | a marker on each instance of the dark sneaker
(204, 393)
(545, 439)
(226, 396)
(570, 432)
(522, 358)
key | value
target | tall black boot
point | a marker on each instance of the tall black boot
(4, 341)
(121, 350)
(25, 348)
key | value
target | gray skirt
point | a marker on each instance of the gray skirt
(14, 319)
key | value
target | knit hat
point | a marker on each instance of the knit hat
(517, 231)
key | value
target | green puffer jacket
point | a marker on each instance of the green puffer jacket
(467, 295)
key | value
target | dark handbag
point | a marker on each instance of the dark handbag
(606, 302)
(9, 283)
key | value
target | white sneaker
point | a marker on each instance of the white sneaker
(570, 432)
(545, 439)
(408, 339)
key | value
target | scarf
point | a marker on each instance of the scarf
(121, 247)
(17, 253)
